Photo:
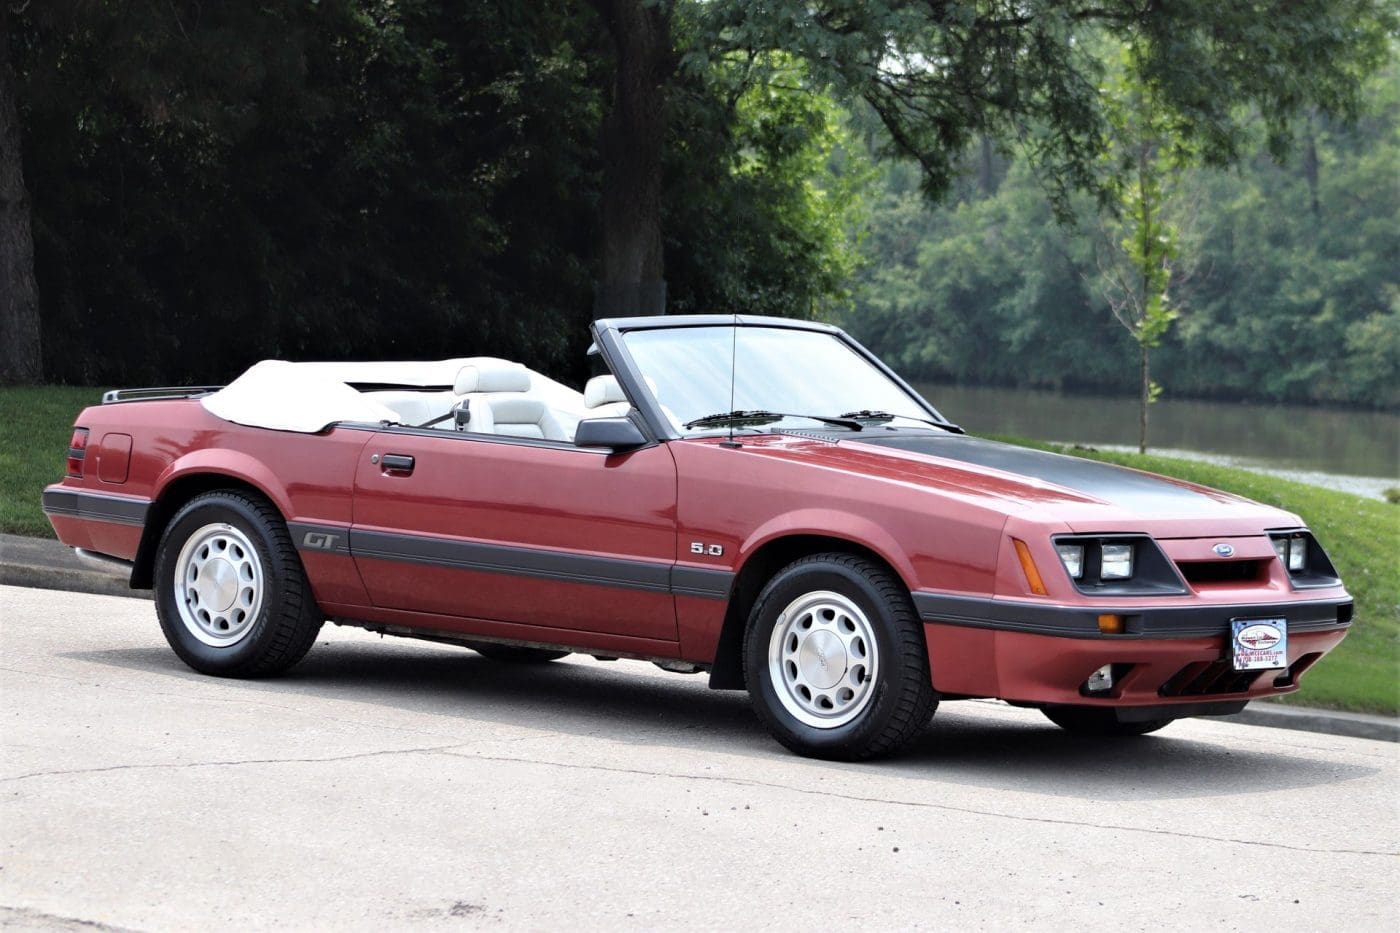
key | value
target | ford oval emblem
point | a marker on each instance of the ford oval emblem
(1224, 550)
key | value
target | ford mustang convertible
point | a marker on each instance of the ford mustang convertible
(757, 498)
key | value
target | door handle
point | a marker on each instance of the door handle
(397, 463)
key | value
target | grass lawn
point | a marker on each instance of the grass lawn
(1362, 536)
(36, 424)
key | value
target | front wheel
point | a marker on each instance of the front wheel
(231, 594)
(834, 659)
(1099, 720)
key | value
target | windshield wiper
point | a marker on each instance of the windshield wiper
(760, 416)
(866, 414)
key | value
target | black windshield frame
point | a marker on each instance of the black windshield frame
(608, 336)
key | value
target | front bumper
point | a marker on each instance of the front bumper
(1168, 656)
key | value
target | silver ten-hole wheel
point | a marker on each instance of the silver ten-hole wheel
(823, 659)
(834, 659)
(218, 585)
(230, 589)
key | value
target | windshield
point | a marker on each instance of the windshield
(798, 372)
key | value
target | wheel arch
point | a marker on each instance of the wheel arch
(182, 482)
(760, 566)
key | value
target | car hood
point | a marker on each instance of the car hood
(1085, 494)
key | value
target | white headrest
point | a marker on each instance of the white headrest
(601, 390)
(517, 409)
(491, 377)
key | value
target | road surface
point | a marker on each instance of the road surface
(389, 784)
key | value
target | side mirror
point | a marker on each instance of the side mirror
(613, 433)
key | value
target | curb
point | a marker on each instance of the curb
(43, 563)
(1332, 722)
(46, 564)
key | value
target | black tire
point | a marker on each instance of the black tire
(223, 542)
(1099, 720)
(853, 599)
(517, 654)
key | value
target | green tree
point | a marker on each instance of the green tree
(1283, 302)
(1140, 238)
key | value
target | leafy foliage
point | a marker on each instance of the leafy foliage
(214, 185)
(1292, 295)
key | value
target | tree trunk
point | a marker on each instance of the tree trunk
(20, 359)
(986, 168)
(633, 276)
(1144, 399)
(1310, 168)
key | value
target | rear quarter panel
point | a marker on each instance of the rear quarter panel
(178, 447)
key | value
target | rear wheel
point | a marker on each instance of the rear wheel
(834, 659)
(517, 654)
(231, 594)
(1099, 720)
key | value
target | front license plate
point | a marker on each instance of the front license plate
(1259, 644)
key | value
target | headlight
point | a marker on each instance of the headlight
(1297, 553)
(1304, 559)
(1292, 551)
(1116, 562)
(1072, 556)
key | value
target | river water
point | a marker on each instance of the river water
(1358, 451)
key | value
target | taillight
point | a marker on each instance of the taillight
(77, 452)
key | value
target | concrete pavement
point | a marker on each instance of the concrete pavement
(47, 564)
(388, 784)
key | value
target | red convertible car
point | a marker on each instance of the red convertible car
(757, 498)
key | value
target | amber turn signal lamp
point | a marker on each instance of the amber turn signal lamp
(1111, 624)
(1028, 567)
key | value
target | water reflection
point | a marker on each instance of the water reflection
(1353, 443)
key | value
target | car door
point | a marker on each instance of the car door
(518, 530)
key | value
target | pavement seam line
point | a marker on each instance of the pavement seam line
(180, 765)
(748, 782)
(29, 913)
(244, 703)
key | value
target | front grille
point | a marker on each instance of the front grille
(1207, 678)
(1219, 678)
(1219, 571)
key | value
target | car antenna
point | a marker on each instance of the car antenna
(733, 376)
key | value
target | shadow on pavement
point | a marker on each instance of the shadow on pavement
(967, 744)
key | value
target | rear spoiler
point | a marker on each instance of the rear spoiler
(112, 396)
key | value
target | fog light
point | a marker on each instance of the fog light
(1100, 681)
(1072, 556)
(1116, 562)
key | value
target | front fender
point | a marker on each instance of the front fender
(831, 523)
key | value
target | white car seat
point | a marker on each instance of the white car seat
(519, 416)
(477, 384)
(482, 378)
(603, 397)
(415, 408)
